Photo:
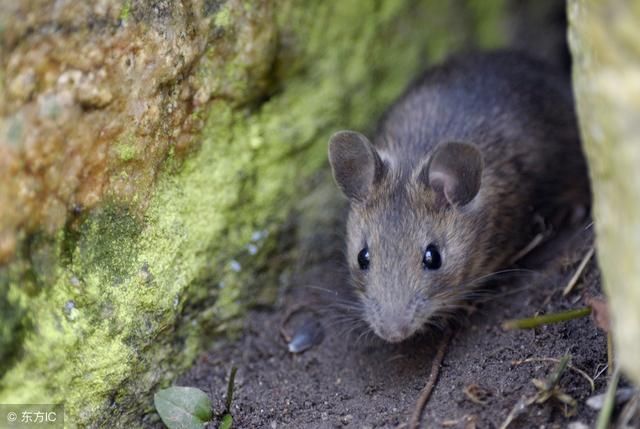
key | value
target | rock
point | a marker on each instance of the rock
(605, 46)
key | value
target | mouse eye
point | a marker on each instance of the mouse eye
(363, 258)
(431, 259)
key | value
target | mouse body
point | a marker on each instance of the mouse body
(446, 192)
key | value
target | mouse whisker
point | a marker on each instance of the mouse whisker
(346, 320)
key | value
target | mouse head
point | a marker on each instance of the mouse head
(411, 230)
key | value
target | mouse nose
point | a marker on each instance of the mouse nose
(395, 330)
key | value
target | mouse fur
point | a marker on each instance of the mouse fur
(463, 161)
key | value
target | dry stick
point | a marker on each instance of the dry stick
(517, 409)
(414, 422)
(585, 260)
(539, 238)
(629, 411)
(599, 372)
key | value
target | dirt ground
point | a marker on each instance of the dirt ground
(351, 380)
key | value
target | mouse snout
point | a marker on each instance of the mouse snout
(392, 325)
(395, 331)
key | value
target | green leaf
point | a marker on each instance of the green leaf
(227, 421)
(183, 407)
(232, 377)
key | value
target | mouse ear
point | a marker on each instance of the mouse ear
(355, 163)
(454, 171)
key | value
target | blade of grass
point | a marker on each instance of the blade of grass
(607, 409)
(232, 378)
(554, 377)
(534, 322)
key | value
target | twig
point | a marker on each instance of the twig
(534, 322)
(599, 372)
(629, 411)
(571, 367)
(517, 409)
(574, 279)
(607, 408)
(535, 242)
(414, 422)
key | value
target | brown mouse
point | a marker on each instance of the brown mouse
(447, 192)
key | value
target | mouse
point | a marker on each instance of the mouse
(448, 189)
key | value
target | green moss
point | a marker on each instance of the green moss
(223, 18)
(133, 297)
(490, 20)
(117, 232)
(126, 152)
(13, 307)
(125, 11)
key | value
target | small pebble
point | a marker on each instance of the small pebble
(309, 334)
(623, 395)
(346, 419)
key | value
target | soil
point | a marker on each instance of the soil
(353, 379)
